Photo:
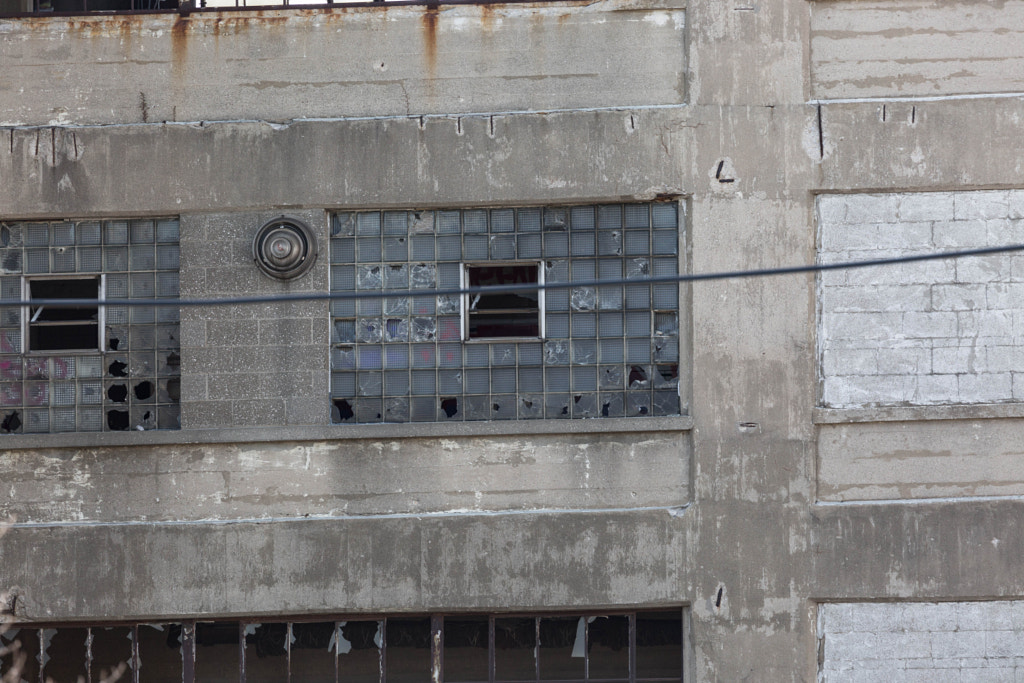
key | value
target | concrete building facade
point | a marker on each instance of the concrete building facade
(789, 478)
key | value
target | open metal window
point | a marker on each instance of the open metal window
(502, 315)
(63, 327)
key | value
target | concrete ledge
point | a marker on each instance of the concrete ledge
(345, 432)
(981, 411)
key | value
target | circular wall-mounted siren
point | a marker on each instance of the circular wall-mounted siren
(284, 248)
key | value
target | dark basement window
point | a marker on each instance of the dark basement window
(503, 314)
(64, 327)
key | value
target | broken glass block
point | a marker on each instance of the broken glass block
(584, 298)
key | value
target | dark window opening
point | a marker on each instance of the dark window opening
(63, 327)
(503, 314)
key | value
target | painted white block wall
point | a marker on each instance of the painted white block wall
(903, 642)
(934, 332)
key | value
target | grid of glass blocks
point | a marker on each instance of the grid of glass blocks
(133, 382)
(607, 351)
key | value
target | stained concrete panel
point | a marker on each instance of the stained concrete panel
(920, 459)
(343, 61)
(918, 48)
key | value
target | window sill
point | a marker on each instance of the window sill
(388, 431)
(979, 411)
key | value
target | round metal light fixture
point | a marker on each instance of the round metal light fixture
(284, 248)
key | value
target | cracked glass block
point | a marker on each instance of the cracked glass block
(10, 393)
(370, 357)
(142, 232)
(638, 268)
(90, 260)
(449, 248)
(396, 249)
(638, 350)
(528, 246)
(343, 278)
(666, 324)
(503, 220)
(477, 407)
(557, 406)
(89, 233)
(37, 235)
(556, 244)
(477, 356)
(64, 419)
(584, 378)
(637, 242)
(423, 329)
(424, 382)
(369, 330)
(448, 304)
(503, 354)
(666, 376)
(475, 220)
(396, 357)
(556, 353)
(556, 326)
(638, 403)
(369, 410)
(343, 384)
(609, 217)
(612, 404)
(584, 325)
(555, 218)
(370, 277)
(584, 298)
(167, 285)
(115, 232)
(421, 409)
(37, 368)
(531, 379)
(531, 354)
(503, 247)
(503, 380)
(396, 383)
(368, 223)
(422, 275)
(638, 296)
(582, 217)
(665, 349)
(169, 364)
(370, 383)
(142, 285)
(36, 421)
(503, 407)
(143, 338)
(556, 271)
(530, 406)
(424, 355)
(396, 410)
(584, 351)
(10, 341)
(478, 381)
(422, 247)
(584, 405)
(638, 324)
(610, 325)
(343, 250)
(141, 257)
(368, 249)
(663, 215)
(37, 261)
(10, 261)
(529, 220)
(556, 379)
(343, 224)
(666, 241)
(449, 222)
(90, 393)
(582, 244)
(63, 260)
(396, 330)
(396, 305)
(115, 258)
(665, 403)
(449, 382)
(395, 223)
(168, 417)
(89, 366)
(610, 377)
(167, 230)
(142, 364)
(476, 247)
(666, 296)
(37, 393)
(609, 243)
(636, 216)
(421, 222)
(423, 305)
(449, 355)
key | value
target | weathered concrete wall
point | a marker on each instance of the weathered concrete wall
(344, 61)
(885, 49)
(922, 641)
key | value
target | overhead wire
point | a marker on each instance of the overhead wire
(519, 287)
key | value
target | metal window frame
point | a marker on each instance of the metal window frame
(26, 323)
(464, 300)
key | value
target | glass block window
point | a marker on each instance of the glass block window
(128, 378)
(589, 351)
